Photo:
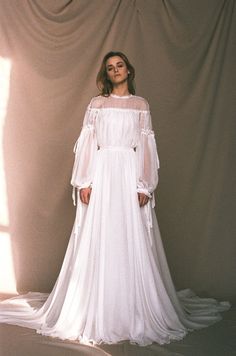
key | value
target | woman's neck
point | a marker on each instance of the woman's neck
(121, 90)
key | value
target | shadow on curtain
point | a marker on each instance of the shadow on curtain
(185, 70)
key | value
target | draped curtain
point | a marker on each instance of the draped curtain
(184, 55)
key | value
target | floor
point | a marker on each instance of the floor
(217, 340)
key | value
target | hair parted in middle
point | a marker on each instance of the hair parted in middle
(104, 84)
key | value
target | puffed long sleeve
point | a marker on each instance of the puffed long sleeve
(85, 150)
(147, 156)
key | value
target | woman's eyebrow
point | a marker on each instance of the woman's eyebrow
(111, 65)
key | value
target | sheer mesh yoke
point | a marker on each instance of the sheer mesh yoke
(131, 102)
(117, 122)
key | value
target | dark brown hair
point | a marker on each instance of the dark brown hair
(104, 84)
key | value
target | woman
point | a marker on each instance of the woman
(114, 283)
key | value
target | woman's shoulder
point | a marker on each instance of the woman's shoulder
(141, 103)
(96, 102)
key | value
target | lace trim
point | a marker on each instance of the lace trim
(147, 132)
(118, 109)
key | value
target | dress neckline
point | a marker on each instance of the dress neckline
(121, 96)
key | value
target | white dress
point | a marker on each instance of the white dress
(114, 283)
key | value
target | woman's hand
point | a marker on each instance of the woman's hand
(84, 194)
(143, 199)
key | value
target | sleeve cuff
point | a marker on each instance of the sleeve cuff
(144, 191)
(84, 185)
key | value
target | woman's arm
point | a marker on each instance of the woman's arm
(147, 157)
(85, 156)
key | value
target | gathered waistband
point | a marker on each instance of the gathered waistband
(116, 148)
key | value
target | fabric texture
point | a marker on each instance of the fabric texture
(115, 284)
(187, 73)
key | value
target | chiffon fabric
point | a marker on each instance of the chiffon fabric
(114, 283)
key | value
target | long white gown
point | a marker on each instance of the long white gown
(114, 283)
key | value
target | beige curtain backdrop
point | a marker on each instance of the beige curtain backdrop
(184, 55)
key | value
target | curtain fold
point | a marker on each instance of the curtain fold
(184, 56)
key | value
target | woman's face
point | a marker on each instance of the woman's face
(117, 70)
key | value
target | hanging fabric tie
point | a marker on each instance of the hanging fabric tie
(148, 215)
